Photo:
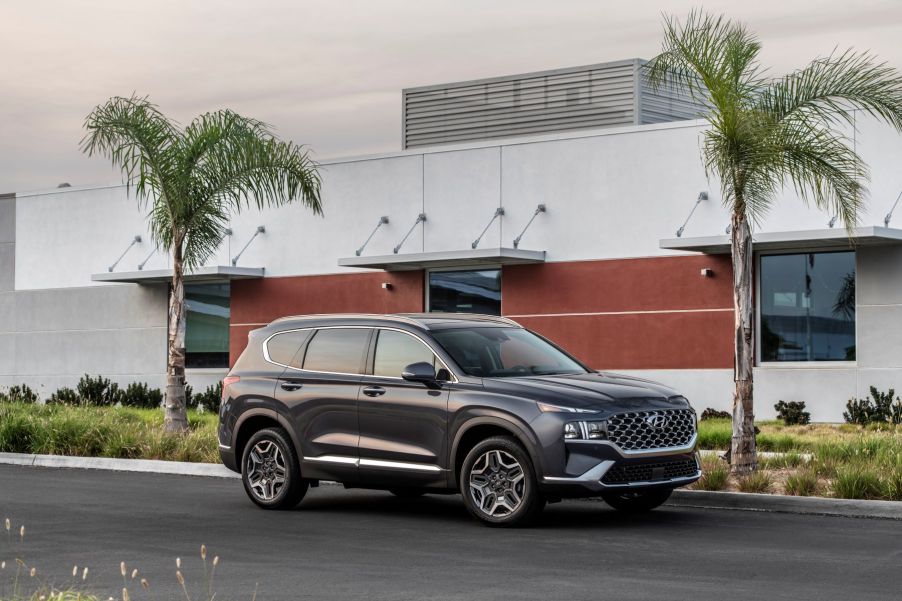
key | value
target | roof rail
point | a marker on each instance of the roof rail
(393, 316)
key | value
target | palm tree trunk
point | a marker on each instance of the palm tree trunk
(742, 451)
(176, 417)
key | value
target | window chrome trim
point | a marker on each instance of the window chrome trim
(268, 359)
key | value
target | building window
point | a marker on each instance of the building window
(207, 326)
(471, 291)
(808, 307)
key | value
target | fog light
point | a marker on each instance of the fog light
(596, 430)
(571, 430)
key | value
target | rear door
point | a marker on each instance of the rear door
(320, 390)
(403, 425)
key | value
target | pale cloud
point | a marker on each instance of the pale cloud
(329, 74)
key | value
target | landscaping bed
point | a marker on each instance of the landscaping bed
(830, 460)
(118, 432)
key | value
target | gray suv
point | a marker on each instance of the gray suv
(447, 403)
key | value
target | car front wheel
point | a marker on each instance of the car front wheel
(270, 470)
(637, 501)
(498, 483)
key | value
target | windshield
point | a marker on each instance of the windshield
(497, 352)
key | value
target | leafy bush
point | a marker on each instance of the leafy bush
(715, 474)
(715, 414)
(22, 394)
(877, 408)
(759, 482)
(792, 413)
(208, 400)
(802, 483)
(64, 396)
(856, 482)
(98, 391)
(139, 394)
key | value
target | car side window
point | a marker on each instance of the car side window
(283, 348)
(396, 350)
(337, 350)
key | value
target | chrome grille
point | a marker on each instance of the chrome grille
(640, 430)
(651, 472)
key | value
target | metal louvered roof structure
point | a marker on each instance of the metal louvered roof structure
(601, 95)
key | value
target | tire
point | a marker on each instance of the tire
(500, 465)
(267, 456)
(636, 501)
(407, 493)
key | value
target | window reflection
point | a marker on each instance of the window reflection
(471, 291)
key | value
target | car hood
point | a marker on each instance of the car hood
(597, 391)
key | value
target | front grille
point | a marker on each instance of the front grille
(651, 472)
(639, 430)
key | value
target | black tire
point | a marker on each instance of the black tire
(526, 488)
(636, 501)
(407, 493)
(294, 487)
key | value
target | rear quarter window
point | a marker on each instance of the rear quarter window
(283, 347)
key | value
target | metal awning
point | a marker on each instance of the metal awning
(211, 274)
(829, 239)
(453, 258)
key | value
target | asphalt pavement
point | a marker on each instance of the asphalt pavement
(354, 544)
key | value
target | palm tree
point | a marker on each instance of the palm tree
(766, 133)
(192, 180)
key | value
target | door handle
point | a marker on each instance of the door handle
(373, 391)
(290, 386)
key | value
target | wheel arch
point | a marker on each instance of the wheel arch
(477, 429)
(254, 420)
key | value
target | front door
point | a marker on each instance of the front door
(403, 425)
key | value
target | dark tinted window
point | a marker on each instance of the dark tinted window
(808, 307)
(504, 352)
(474, 291)
(396, 350)
(283, 348)
(207, 325)
(339, 350)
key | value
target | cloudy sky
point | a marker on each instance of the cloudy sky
(329, 74)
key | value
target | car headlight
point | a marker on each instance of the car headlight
(585, 431)
(548, 408)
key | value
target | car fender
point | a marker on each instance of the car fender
(510, 422)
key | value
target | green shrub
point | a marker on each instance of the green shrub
(891, 484)
(139, 394)
(208, 400)
(877, 408)
(98, 391)
(759, 481)
(715, 414)
(856, 482)
(21, 394)
(714, 475)
(803, 483)
(64, 396)
(792, 413)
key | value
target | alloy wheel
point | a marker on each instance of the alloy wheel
(497, 483)
(266, 470)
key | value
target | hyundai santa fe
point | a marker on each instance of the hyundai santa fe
(447, 403)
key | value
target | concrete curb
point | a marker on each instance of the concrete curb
(886, 510)
(148, 466)
(889, 510)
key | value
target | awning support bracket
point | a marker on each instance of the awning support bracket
(382, 221)
(260, 230)
(889, 216)
(701, 196)
(499, 212)
(420, 218)
(539, 209)
(135, 240)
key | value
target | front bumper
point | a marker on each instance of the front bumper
(593, 467)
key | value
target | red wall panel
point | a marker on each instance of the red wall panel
(256, 302)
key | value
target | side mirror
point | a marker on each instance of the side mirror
(421, 372)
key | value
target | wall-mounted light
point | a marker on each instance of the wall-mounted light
(707, 272)
(387, 286)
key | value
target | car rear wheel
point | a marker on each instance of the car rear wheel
(498, 483)
(270, 470)
(638, 501)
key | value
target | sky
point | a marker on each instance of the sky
(329, 74)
